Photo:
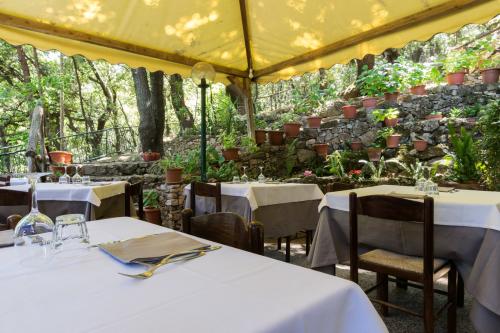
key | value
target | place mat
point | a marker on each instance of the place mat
(150, 247)
(6, 238)
(406, 195)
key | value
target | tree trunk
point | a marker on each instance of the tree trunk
(368, 60)
(151, 106)
(183, 114)
(21, 56)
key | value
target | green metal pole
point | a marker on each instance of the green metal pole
(203, 130)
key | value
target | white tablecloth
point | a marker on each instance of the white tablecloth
(462, 208)
(74, 192)
(225, 291)
(259, 194)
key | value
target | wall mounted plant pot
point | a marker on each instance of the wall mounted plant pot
(231, 154)
(420, 145)
(434, 116)
(455, 78)
(418, 90)
(391, 97)
(173, 175)
(150, 156)
(292, 130)
(356, 145)
(392, 141)
(152, 215)
(374, 154)
(61, 157)
(314, 122)
(321, 149)
(275, 137)
(391, 122)
(490, 75)
(260, 136)
(349, 111)
(369, 102)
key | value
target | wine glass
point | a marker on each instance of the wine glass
(76, 179)
(244, 177)
(64, 179)
(236, 179)
(261, 178)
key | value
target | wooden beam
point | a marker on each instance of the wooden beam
(444, 9)
(53, 30)
(246, 35)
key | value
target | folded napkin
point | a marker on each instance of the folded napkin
(149, 247)
(6, 238)
(406, 195)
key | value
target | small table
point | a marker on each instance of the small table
(95, 201)
(466, 231)
(227, 290)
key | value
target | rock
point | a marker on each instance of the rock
(430, 153)
(310, 142)
(368, 137)
(305, 155)
(430, 125)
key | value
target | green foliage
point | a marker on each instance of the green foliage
(489, 145)
(384, 77)
(370, 82)
(459, 60)
(334, 164)
(414, 73)
(467, 112)
(382, 114)
(386, 132)
(151, 199)
(225, 172)
(290, 157)
(375, 171)
(289, 118)
(465, 159)
(228, 140)
(249, 145)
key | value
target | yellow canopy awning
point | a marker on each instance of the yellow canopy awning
(277, 39)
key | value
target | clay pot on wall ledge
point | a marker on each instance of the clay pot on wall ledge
(391, 122)
(231, 154)
(490, 75)
(314, 122)
(420, 145)
(321, 149)
(275, 137)
(152, 215)
(456, 78)
(374, 154)
(260, 136)
(292, 130)
(349, 111)
(369, 102)
(173, 175)
(392, 141)
(150, 156)
(59, 156)
(418, 90)
(356, 145)
(434, 116)
(391, 97)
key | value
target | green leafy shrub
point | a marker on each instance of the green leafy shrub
(228, 140)
(151, 199)
(249, 145)
(334, 164)
(382, 114)
(465, 158)
(414, 74)
(225, 172)
(290, 157)
(370, 82)
(489, 145)
(459, 60)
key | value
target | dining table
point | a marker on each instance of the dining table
(95, 200)
(227, 290)
(466, 231)
(284, 208)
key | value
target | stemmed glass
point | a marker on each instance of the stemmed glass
(420, 183)
(261, 178)
(244, 177)
(76, 179)
(64, 179)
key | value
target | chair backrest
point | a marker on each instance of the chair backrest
(15, 200)
(392, 208)
(334, 187)
(4, 180)
(225, 228)
(134, 190)
(206, 190)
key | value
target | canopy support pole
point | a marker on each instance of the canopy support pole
(203, 130)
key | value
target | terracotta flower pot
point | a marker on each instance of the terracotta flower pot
(231, 154)
(420, 145)
(434, 116)
(58, 156)
(260, 136)
(152, 215)
(356, 145)
(392, 141)
(418, 90)
(321, 149)
(150, 156)
(374, 154)
(314, 122)
(391, 122)
(173, 176)
(275, 137)
(292, 130)
(490, 75)
(369, 102)
(391, 97)
(455, 78)
(349, 111)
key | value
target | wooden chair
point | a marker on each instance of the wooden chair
(225, 228)
(134, 190)
(205, 190)
(423, 270)
(9, 198)
(4, 180)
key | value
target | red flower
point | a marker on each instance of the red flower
(355, 172)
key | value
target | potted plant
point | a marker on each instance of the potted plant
(374, 152)
(230, 150)
(260, 136)
(275, 135)
(434, 115)
(490, 70)
(151, 207)
(389, 116)
(369, 83)
(349, 111)
(356, 145)
(392, 81)
(415, 76)
(391, 137)
(172, 167)
(150, 156)
(61, 157)
(314, 121)
(419, 144)
(321, 149)
(456, 65)
(291, 125)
